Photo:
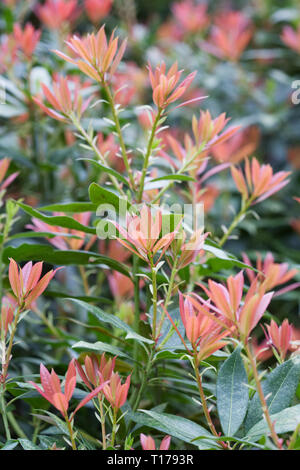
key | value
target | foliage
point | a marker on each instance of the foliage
(149, 246)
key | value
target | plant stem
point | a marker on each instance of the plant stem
(203, 400)
(119, 132)
(154, 298)
(262, 397)
(114, 427)
(71, 433)
(18, 430)
(179, 172)
(84, 280)
(56, 333)
(136, 314)
(37, 424)
(4, 413)
(245, 206)
(147, 156)
(146, 373)
(10, 344)
(97, 152)
(6, 228)
(169, 293)
(102, 422)
(202, 396)
(293, 439)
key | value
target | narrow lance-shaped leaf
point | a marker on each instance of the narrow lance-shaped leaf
(279, 388)
(232, 393)
(112, 320)
(57, 220)
(48, 254)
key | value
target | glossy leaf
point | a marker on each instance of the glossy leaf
(232, 393)
(279, 388)
(58, 220)
(99, 195)
(113, 320)
(285, 421)
(99, 347)
(75, 207)
(176, 426)
(35, 252)
(174, 178)
(106, 169)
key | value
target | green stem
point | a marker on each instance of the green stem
(90, 141)
(203, 400)
(114, 427)
(294, 437)
(169, 293)
(245, 206)
(37, 424)
(136, 314)
(48, 323)
(119, 132)
(84, 280)
(7, 225)
(102, 417)
(146, 373)
(70, 429)
(179, 172)
(154, 298)
(4, 413)
(262, 397)
(10, 344)
(14, 424)
(147, 156)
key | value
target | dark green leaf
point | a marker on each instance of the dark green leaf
(232, 393)
(10, 445)
(48, 254)
(173, 178)
(279, 388)
(99, 195)
(58, 220)
(106, 169)
(75, 207)
(176, 426)
(104, 317)
(285, 421)
(28, 445)
(99, 347)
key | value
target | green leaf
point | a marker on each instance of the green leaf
(57, 220)
(48, 254)
(31, 234)
(10, 445)
(174, 342)
(99, 195)
(222, 259)
(99, 347)
(173, 178)
(28, 445)
(176, 426)
(106, 169)
(279, 387)
(53, 419)
(116, 322)
(285, 421)
(75, 207)
(232, 393)
(85, 298)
